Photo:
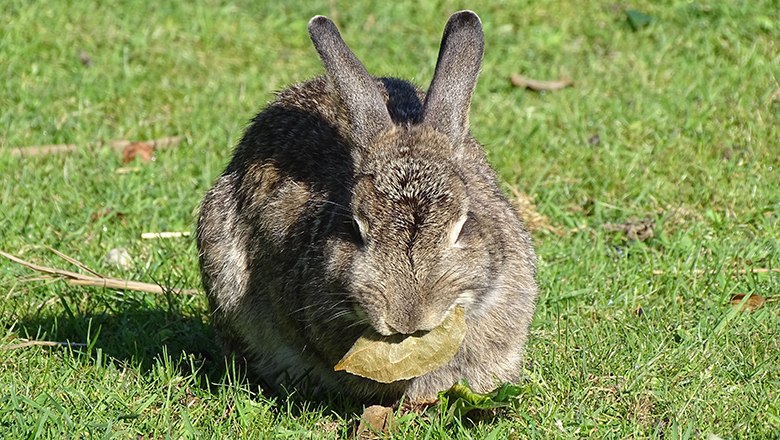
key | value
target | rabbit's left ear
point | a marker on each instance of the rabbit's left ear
(366, 109)
(460, 57)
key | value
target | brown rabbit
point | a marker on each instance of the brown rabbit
(354, 202)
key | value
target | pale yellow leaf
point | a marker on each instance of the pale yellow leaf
(399, 357)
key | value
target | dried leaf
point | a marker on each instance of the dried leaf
(375, 421)
(85, 59)
(119, 258)
(389, 359)
(639, 230)
(107, 213)
(752, 303)
(538, 85)
(141, 150)
(525, 206)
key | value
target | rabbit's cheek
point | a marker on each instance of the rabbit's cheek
(466, 299)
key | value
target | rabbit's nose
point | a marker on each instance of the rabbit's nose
(402, 329)
(405, 322)
(410, 321)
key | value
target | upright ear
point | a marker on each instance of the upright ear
(365, 105)
(460, 57)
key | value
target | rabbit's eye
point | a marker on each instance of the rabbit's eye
(461, 230)
(359, 228)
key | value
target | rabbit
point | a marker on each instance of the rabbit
(354, 202)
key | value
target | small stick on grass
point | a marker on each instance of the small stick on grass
(538, 85)
(118, 145)
(105, 282)
(151, 235)
(28, 343)
(74, 262)
(714, 271)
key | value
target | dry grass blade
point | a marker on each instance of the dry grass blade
(108, 283)
(714, 271)
(539, 85)
(152, 235)
(74, 262)
(119, 145)
(26, 344)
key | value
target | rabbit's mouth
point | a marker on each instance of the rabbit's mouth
(421, 325)
(379, 325)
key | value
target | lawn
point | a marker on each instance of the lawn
(671, 129)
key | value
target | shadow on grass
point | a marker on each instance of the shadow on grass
(141, 337)
(135, 335)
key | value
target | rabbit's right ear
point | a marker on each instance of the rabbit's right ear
(460, 57)
(366, 109)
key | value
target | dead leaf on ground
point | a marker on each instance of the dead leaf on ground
(85, 59)
(639, 230)
(119, 258)
(539, 85)
(642, 410)
(374, 423)
(141, 150)
(524, 204)
(397, 357)
(752, 303)
(107, 213)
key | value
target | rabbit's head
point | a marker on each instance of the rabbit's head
(417, 246)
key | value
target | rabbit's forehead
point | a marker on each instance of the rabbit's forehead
(411, 181)
(410, 200)
(404, 140)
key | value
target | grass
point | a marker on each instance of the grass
(677, 122)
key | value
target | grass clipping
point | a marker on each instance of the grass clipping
(392, 358)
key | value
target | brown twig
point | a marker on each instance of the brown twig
(714, 271)
(538, 85)
(26, 344)
(99, 281)
(119, 145)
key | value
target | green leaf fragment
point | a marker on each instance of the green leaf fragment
(460, 399)
(637, 19)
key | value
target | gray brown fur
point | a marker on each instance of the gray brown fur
(340, 211)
